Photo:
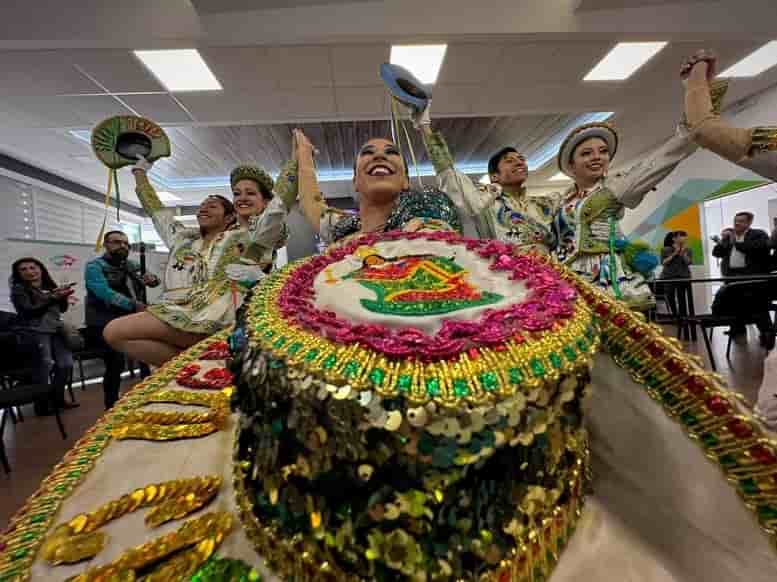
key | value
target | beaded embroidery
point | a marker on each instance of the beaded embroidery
(418, 285)
(427, 206)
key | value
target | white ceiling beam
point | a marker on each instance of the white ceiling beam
(149, 24)
(398, 21)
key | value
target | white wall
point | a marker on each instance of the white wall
(34, 211)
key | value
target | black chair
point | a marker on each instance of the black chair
(20, 358)
(659, 294)
(20, 395)
(88, 352)
(735, 304)
(68, 385)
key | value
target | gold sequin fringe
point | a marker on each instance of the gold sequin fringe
(78, 539)
(190, 546)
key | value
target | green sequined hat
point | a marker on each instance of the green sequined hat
(254, 173)
(119, 140)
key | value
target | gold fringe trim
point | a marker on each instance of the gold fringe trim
(190, 546)
(78, 539)
(695, 398)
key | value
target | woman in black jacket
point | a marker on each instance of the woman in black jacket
(676, 259)
(40, 305)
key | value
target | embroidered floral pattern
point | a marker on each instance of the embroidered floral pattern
(551, 301)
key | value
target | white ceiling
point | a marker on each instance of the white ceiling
(512, 74)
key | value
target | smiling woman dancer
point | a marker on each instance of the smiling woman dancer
(590, 240)
(386, 201)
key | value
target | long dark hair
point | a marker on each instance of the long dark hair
(229, 208)
(669, 239)
(46, 283)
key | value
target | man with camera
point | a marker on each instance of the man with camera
(743, 250)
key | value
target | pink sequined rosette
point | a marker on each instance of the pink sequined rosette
(551, 300)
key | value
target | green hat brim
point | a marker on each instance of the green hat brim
(115, 140)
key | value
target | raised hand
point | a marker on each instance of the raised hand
(62, 292)
(244, 274)
(142, 165)
(150, 280)
(702, 64)
(302, 145)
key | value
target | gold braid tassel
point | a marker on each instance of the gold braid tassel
(189, 397)
(159, 432)
(78, 539)
(164, 426)
(190, 546)
(167, 418)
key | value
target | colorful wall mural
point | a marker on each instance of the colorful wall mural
(681, 212)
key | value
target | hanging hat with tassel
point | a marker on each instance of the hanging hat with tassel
(405, 87)
(119, 141)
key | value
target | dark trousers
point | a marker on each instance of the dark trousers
(55, 367)
(749, 301)
(114, 364)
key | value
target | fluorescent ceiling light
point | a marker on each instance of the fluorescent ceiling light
(755, 63)
(167, 197)
(485, 179)
(423, 60)
(559, 177)
(180, 70)
(624, 60)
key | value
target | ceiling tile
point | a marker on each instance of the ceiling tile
(362, 101)
(454, 99)
(313, 102)
(248, 107)
(68, 111)
(358, 65)
(161, 108)
(38, 73)
(521, 64)
(118, 71)
(547, 98)
(242, 68)
(299, 67)
(227, 106)
(470, 63)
